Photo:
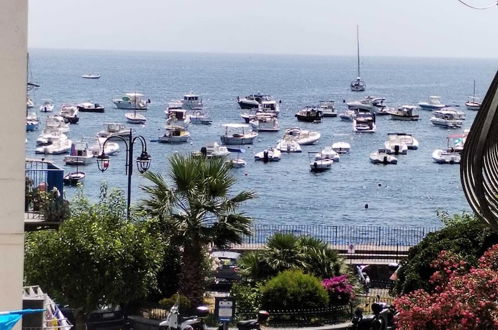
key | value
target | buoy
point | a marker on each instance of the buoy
(366, 205)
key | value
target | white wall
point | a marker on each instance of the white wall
(13, 58)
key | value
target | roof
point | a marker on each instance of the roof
(236, 125)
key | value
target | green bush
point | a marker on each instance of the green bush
(462, 234)
(291, 290)
(247, 296)
(183, 302)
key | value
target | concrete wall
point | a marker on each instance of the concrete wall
(13, 58)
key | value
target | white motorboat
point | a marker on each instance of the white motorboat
(29, 103)
(79, 154)
(212, 150)
(114, 130)
(302, 136)
(329, 153)
(135, 118)
(309, 114)
(200, 116)
(341, 147)
(73, 178)
(90, 76)
(237, 162)
(358, 85)
(265, 123)
(395, 147)
(364, 122)
(474, 103)
(177, 117)
(252, 101)
(32, 122)
(318, 162)
(269, 107)
(447, 118)
(70, 113)
(48, 136)
(369, 103)
(174, 134)
(268, 155)
(110, 148)
(408, 139)
(57, 147)
(347, 115)
(90, 107)
(328, 108)
(238, 134)
(446, 156)
(405, 112)
(288, 145)
(47, 106)
(381, 156)
(131, 101)
(191, 102)
(434, 103)
(56, 122)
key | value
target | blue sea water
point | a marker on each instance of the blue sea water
(408, 194)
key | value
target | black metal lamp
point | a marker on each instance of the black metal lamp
(143, 162)
(103, 161)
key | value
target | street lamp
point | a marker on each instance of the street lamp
(143, 161)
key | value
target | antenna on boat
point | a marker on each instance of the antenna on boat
(358, 47)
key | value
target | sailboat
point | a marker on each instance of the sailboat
(135, 118)
(358, 85)
(474, 102)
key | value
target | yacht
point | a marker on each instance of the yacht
(252, 101)
(79, 154)
(405, 112)
(382, 156)
(238, 134)
(310, 114)
(341, 147)
(347, 115)
(32, 122)
(370, 103)
(70, 113)
(269, 107)
(47, 106)
(135, 118)
(174, 134)
(288, 145)
(434, 103)
(131, 101)
(358, 85)
(269, 155)
(364, 122)
(328, 108)
(114, 130)
(191, 102)
(90, 107)
(213, 149)
(447, 118)
(265, 123)
(301, 136)
(408, 139)
(177, 117)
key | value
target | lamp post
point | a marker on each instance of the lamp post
(143, 161)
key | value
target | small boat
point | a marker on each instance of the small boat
(347, 115)
(131, 101)
(201, 117)
(213, 150)
(302, 136)
(370, 103)
(32, 122)
(288, 145)
(70, 113)
(238, 134)
(381, 156)
(434, 103)
(110, 148)
(395, 147)
(265, 123)
(408, 139)
(269, 107)
(47, 106)
(73, 178)
(358, 85)
(177, 117)
(90, 107)
(56, 122)
(474, 103)
(364, 122)
(79, 154)
(236, 162)
(248, 116)
(192, 102)
(328, 108)
(329, 153)
(318, 162)
(90, 76)
(405, 112)
(446, 156)
(48, 136)
(253, 100)
(341, 147)
(113, 130)
(174, 134)
(268, 155)
(135, 118)
(447, 118)
(309, 114)
(57, 147)
(29, 103)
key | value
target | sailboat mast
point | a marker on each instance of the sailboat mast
(358, 47)
(474, 88)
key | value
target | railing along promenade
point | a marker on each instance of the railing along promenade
(359, 244)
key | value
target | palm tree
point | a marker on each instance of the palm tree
(196, 211)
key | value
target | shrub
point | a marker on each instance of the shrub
(339, 289)
(183, 302)
(248, 296)
(292, 290)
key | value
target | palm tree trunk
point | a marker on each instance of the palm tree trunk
(192, 277)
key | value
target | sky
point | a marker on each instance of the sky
(427, 28)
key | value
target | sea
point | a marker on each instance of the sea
(411, 193)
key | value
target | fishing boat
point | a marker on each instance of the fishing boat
(302, 136)
(191, 102)
(265, 123)
(474, 103)
(328, 108)
(238, 134)
(358, 85)
(47, 106)
(447, 118)
(79, 154)
(90, 76)
(174, 134)
(382, 156)
(405, 113)
(135, 118)
(434, 103)
(288, 145)
(309, 114)
(341, 147)
(70, 113)
(269, 155)
(177, 117)
(131, 101)
(90, 107)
